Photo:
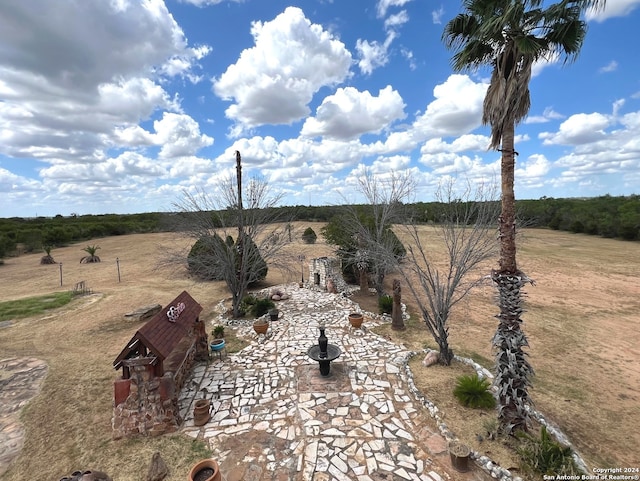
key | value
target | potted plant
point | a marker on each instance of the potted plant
(205, 470)
(355, 319)
(201, 412)
(218, 332)
(217, 345)
(459, 454)
(260, 326)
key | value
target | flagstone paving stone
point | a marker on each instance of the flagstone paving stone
(274, 417)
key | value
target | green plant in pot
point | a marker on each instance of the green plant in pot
(218, 332)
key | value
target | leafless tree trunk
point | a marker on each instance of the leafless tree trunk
(467, 227)
(212, 219)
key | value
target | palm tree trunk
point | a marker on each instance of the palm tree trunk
(508, 200)
(513, 372)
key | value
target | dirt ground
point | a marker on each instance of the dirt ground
(581, 320)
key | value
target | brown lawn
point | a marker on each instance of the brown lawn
(582, 323)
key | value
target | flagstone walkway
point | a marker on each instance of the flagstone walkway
(274, 417)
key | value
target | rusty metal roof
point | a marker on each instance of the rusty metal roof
(159, 335)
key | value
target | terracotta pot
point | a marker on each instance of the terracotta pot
(201, 412)
(459, 454)
(260, 326)
(199, 470)
(356, 318)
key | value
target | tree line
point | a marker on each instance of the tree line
(605, 216)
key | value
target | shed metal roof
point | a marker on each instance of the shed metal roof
(159, 335)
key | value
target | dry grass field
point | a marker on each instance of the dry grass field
(582, 324)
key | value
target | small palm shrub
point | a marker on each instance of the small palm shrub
(309, 236)
(385, 304)
(92, 257)
(474, 392)
(545, 456)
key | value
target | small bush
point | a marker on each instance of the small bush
(385, 304)
(218, 332)
(546, 456)
(309, 236)
(262, 306)
(474, 392)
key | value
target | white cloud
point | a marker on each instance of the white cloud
(179, 135)
(547, 115)
(349, 113)
(383, 6)
(436, 15)
(396, 20)
(204, 3)
(578, 129)
(272, 82)
(613, 8)
(610, 67)
(373, 54)
(531, 172)
(467, 142)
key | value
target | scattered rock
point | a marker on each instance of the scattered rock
(430, 359)
(143, 313)
(158, 469)
(275, 297)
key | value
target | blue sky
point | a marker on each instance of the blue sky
(121, 106)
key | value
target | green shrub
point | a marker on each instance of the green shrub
(385, 304)
(546, 456)
(262, 306)
(309, 236)
(474, 392)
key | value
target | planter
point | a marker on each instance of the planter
(205, 470)
(273, 314)
(260, 326)
(217, 345)
(459, 454)
(356, 318)
(201, 412)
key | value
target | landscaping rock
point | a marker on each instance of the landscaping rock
(143, 313)
(158, 469)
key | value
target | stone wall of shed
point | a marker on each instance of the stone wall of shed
(148, 405)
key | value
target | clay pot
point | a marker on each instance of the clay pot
(459, 454)
(203, 468)
(260, 326)
(356, 318)
(201, 412)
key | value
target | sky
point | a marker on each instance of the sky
(124, 106)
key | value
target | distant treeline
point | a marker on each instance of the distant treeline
(606, 216)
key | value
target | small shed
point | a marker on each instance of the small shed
(158, 338)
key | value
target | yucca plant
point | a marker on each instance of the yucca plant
(92, 257)
(473, 392)
(546, 456)
(385, 304)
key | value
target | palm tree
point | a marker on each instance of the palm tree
(509, 36)
(92, 257)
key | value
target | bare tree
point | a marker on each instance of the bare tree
(467, 227)
(212, 220)
(364, 234)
